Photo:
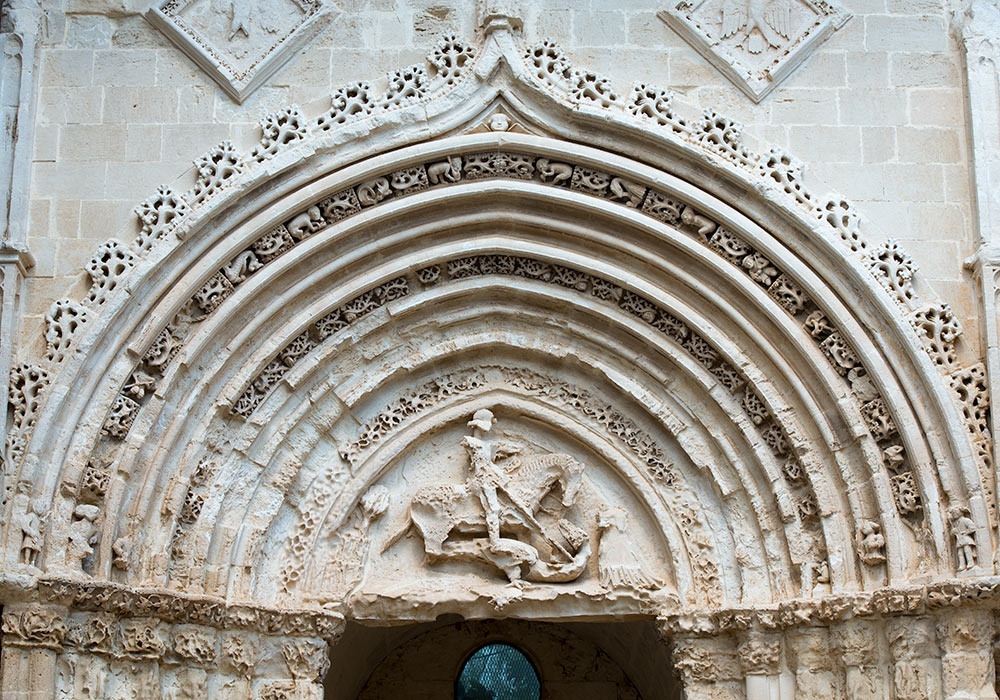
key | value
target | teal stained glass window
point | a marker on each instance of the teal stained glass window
(498, 672)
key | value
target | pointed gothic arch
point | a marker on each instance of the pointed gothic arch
(750, 375)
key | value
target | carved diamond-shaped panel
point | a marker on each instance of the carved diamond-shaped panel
(755, 43)
(240, 43)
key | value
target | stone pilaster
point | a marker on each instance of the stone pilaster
(977, 29)
(812, 657)
(760, 659)
(33, 638)
(709, 668)
(916, 670)
(967, 662)
(24, 20)
(857, 644)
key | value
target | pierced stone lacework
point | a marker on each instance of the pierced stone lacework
(590, 87)
(352, 101)
(657, 105)
(24, 399)
(406, 85)
(107, 269)
(939, 329)
(63, 321)
(216, 170)
(450, 58)
(786, 172)
(725, 137)
(845, 220)
(280, 130)
(550, 64)
(157, 214)
(894, 269)
(971, 389)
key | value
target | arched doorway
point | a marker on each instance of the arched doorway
(584, 660)
(510, 348)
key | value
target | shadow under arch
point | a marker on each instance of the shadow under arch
(625, 658)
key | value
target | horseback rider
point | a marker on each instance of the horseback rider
(485, 476)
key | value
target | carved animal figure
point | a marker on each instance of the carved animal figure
(626, 190)
(440, 511)
(771, 19)
(446, 171)
(308, 222)
(553, 173)
(373, 191)
(242, 266)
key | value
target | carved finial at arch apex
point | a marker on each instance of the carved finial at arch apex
(496, 15)
(755, 44)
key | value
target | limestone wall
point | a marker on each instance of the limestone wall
(877, 113)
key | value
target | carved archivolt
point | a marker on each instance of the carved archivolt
(782, 288)
(146, 366)
(222, 167)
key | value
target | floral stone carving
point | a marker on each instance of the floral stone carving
(240, 45)
(755, 43)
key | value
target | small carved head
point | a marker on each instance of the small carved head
(482, 420)
(612, 517)
(499, 122)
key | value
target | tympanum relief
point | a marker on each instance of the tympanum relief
(500, 508)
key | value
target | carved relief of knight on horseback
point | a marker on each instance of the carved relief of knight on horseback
(498, 516)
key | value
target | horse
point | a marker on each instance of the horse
(442, 510)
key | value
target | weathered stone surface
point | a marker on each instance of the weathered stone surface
(466, 325)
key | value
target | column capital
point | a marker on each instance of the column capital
(706, 659)
(810, 648)
(912, 638)
(34, 625)
(976, 26)
(856, 641)
(760, 654)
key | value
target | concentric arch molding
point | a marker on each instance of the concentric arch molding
(757, 45)
(431, 121)
(242, 45)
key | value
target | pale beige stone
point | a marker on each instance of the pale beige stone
(720, 361)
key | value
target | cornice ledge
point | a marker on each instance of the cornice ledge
(168, 605)
(886, 602)
(16, 253)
